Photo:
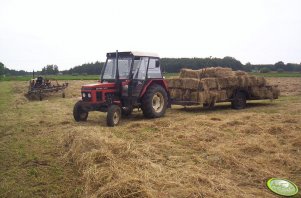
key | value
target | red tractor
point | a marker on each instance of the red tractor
(128, 80)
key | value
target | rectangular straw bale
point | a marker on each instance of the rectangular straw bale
(222, 83)
(186, 95)
(222, 95)
(194, 96)
(268, 93)
(175, 83)
(171, 83)
(230, 92)
(190, 83)
(209, 83)
(243, 81)
(176, 94)
(261, 81)
(223, 72)
(218, 72)
(276, 92)
(240, 73)
(262, 92)
(252, 81)
(218, 95)
(199, 96)
(233, 81)
(204, 97)
(189, 73)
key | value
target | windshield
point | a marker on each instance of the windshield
(124, 67)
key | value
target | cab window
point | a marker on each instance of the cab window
(154, 70)
(139, 68)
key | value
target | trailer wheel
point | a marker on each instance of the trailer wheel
(239, 101)
(154, 102)
(113, 115)
(78, 113)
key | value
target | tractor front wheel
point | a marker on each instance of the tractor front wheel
(154, 102)
(78, 113)
(113, 115)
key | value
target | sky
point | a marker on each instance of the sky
(67, 33)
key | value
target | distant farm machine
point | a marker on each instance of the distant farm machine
(39, 87)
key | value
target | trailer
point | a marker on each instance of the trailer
(214, 85)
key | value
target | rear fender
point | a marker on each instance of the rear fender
(160, 82)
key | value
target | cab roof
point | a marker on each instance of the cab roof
(133, 53)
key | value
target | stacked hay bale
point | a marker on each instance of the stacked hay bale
(217, 84)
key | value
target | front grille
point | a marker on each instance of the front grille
(98, 96)
(85, 96)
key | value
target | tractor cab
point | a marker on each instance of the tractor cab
(125, 79)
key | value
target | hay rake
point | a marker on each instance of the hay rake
(39, 86)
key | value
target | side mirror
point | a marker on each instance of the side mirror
(157, 63)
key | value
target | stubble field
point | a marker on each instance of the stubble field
(191, 152)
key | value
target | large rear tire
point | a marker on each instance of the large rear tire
(78, 113)
(154, 102)
(113, 115)
(239, 101)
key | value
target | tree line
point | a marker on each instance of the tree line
(169, 65)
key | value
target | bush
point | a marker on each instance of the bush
(265, 70)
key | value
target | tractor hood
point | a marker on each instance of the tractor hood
(99, 86)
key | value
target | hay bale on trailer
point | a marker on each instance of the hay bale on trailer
(209, 83)
(216, 72)
(189, 73)
(240, 73)
(262, 92)
(175, 83)
(176, 94)
(261, 81)
(191, 83)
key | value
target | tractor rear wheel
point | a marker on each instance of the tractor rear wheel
(154, 102)
(113, 115)
(78, 113)
(239, 101)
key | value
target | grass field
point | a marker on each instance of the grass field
(282, 74)
(167, 75)
(191, 152)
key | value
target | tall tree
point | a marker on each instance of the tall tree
(2, 69)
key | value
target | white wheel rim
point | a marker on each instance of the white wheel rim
(158, 102)
(116, 117)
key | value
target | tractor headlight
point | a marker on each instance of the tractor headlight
(84, 95)
(89, 95)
